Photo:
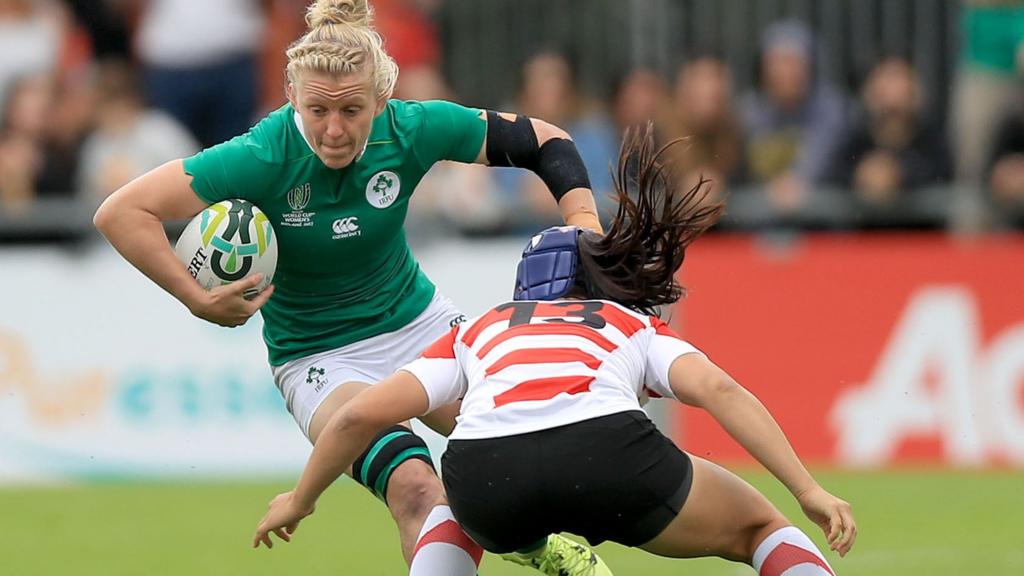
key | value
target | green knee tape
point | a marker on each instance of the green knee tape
(387, 452)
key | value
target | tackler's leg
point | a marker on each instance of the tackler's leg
(724, 516)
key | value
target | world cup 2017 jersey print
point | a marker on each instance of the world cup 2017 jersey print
(345, 271)
(525, 366)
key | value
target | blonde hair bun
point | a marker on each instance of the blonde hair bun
(331, 12)
(340, 41)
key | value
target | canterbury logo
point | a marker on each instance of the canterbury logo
(346, 225)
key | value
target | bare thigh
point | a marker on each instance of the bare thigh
(442, 420)
(420, 472)
(723, 516)
(334, 401)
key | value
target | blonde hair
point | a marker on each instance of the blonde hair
(341, 41)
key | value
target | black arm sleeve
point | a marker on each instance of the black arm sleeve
(557, 162)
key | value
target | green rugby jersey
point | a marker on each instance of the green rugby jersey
(344, 270)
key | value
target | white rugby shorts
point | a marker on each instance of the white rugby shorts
(306, 382)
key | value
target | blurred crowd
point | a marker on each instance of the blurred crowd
(96, 92)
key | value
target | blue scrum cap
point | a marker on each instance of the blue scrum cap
(547, 270)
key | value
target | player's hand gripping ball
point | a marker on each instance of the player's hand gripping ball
(229, 241)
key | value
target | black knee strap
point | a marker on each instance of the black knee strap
(386, 452)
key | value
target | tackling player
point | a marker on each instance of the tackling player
(551, 435)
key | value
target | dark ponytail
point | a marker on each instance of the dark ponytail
(635, 262)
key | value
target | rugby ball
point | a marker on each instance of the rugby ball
(226, 242)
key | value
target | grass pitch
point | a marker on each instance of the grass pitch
(912, 522)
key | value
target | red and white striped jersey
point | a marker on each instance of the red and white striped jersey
(525, 366)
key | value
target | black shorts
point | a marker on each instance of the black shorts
(610, 478)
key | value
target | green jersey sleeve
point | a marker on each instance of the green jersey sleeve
(242, 167)
(449, 131)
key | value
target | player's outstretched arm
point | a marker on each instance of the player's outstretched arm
(131, 220)
(548, 151)
(346, 435)
(697, 381)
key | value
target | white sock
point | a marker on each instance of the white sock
(443, 549)
(789, 551)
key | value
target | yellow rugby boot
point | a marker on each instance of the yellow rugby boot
(562, 557)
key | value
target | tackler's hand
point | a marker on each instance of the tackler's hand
(833, 515)
(282, 518)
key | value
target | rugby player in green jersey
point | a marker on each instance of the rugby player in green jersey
(334, 170)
